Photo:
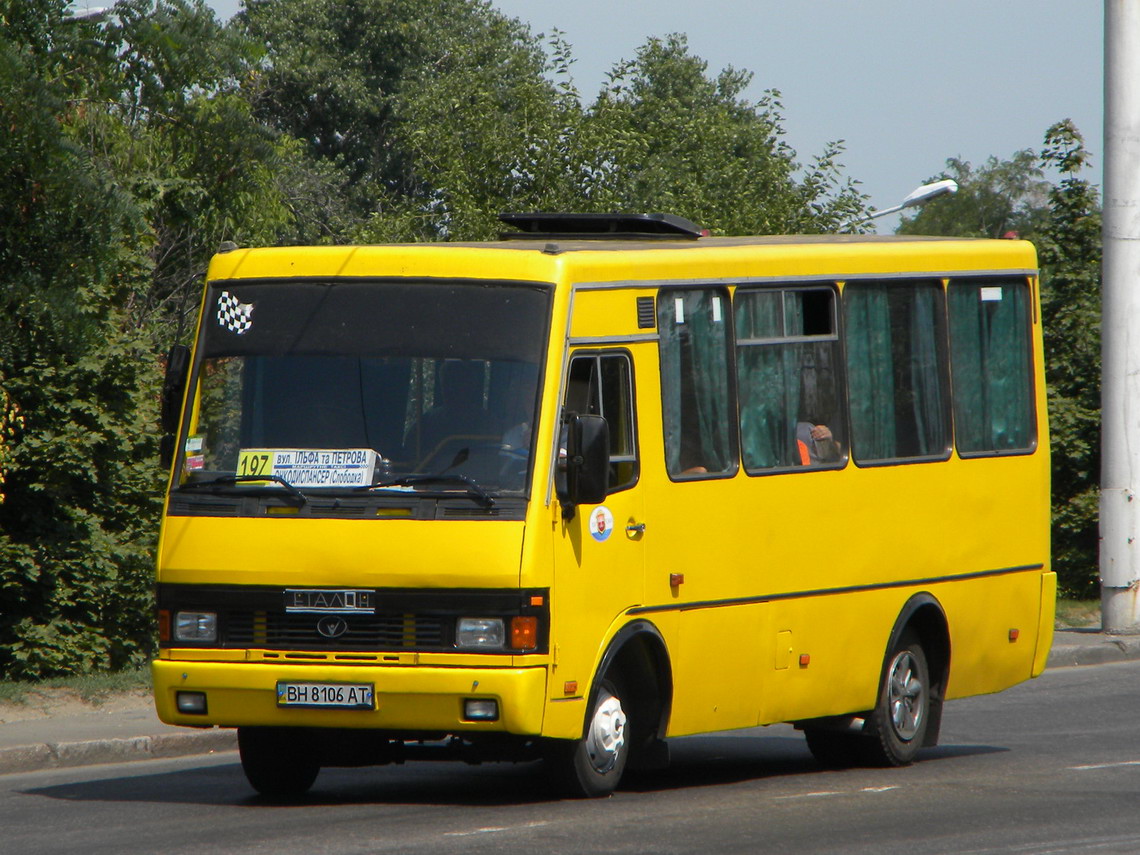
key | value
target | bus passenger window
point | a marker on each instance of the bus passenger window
(787, 361)
(602, 384)
(896, 371)
(696, 400)
(991, 366)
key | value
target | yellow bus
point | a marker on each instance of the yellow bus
(604, 482)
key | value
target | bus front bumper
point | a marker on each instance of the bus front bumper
(406, 699)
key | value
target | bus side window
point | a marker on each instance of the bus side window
(788, 378)
(602, 384)
(991, 366)
(896, 371)
(696, 397)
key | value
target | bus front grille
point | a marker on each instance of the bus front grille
(343, 632)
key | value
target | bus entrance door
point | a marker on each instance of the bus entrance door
(599, 563)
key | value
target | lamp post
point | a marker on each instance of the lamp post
(89, 14)
(1120, 357)
(918, 196)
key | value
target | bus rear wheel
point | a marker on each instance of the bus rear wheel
(280, 763)
(897, 726)
(592, 766)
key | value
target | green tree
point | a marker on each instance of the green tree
(993, 200)
(1069, 246)
(76, 509)
(480, 137)
(661, 135)
(337, 70)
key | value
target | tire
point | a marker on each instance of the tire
(592, 766)
(280, 763)
(896, 729)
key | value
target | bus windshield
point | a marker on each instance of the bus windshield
(347, 385)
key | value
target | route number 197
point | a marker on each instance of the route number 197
(255, 463)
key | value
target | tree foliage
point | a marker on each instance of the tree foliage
(75, 374)
(1069, 245)
(998, 199)
(661, 136)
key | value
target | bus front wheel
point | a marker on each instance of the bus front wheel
(593, 765)
(897, 726)
(279, 763)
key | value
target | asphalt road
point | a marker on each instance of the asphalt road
(1052, 766)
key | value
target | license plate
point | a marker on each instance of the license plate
(341, 696)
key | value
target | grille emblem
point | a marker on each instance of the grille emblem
(332, 627)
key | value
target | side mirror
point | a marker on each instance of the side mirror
(587, 460)
(173, 391)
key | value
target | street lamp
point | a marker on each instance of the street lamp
(90, 15)
(918, 196)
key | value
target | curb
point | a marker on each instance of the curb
(60, 755)
(1118, 649)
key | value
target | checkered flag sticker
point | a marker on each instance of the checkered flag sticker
(233, 314)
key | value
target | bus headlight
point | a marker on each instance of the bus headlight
(195, 626)
(480, 633)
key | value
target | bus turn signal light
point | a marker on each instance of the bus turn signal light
(524, 633)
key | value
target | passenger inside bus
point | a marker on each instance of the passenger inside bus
(816, 444)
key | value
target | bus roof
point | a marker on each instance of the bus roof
(552, 259)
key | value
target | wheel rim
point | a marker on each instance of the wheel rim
(606, 738)
(906, 696)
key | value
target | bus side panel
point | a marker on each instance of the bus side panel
(993, 631)
(827, 654)
(720, 691)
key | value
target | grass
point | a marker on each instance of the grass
(91, 688)
(1077, 614)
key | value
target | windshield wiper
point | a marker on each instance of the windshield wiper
(233, 480)
(471, 488)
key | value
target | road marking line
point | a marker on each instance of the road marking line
(821, 793)
(814, 795)
(1104, 765)
(494, 829)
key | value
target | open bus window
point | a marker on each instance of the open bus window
(602, 384)
(787, 368)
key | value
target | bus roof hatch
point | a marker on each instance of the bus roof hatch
(548, 225)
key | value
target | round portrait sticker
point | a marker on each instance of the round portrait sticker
(601, 523)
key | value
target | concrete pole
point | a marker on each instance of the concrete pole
(1120, 322)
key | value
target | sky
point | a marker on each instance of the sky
(905, 84)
